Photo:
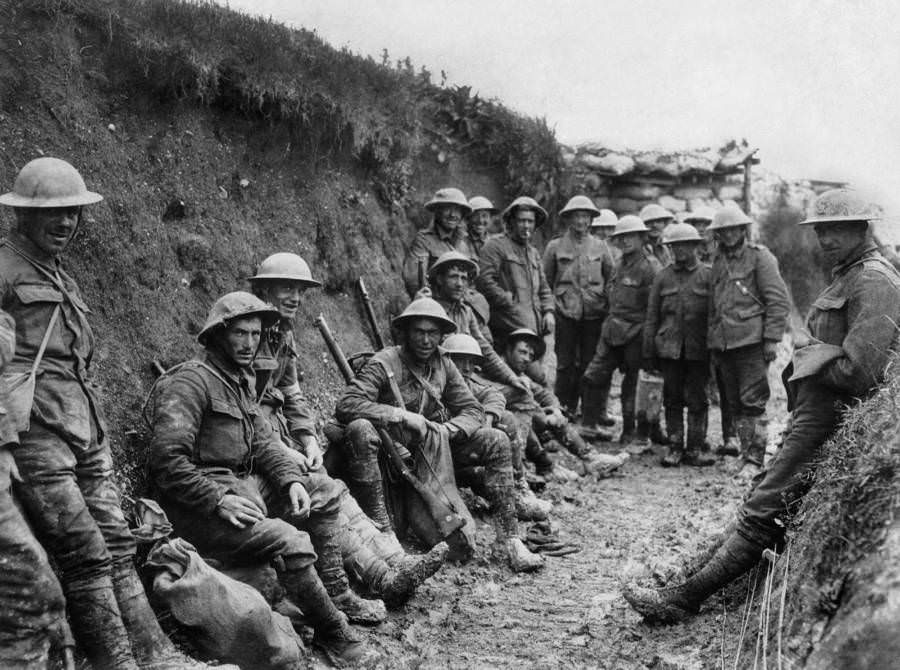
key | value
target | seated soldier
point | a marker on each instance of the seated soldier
(548, 421)
(416, 390)
(375, 559)
(466, 354)
(228, 485)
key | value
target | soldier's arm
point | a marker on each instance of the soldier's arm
(544, 396)
(177, 417)
(300, 417)
(7, 338)
(493, 401)
(488, 281)
(467, 413)
(493, 366)
(360, 398)
(774, 294)
(550, 262)
(651, 322)
(545, 292)
(873, 312)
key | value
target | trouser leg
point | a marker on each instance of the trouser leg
(595, 383)
(364, 473)
(631, 364)
(674, 391)
(567, 336)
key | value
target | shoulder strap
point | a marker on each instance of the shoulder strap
(392, 382)
(43, 347)
(49, 275)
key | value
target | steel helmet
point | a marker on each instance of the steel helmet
(629, 224)
(529, 336)
(237, 305)
(285, 266)
(449, 196)
(479, 202)
(729, 217)
(700, 214)
(579, 203)
(460, 344)
(654, 212)
(840, 204)
(680, 232)
(453, 258)
(424, 308)
(607, 219)
(49, 182)
(525, 202)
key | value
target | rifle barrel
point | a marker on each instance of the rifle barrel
(377, 340)
(334, 349)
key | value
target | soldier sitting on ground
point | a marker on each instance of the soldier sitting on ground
(415, 390)
(375, 558)
(230, 488)
(841, 358)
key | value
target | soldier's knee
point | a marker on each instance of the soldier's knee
(362, 438)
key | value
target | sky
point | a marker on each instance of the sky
(814, 85)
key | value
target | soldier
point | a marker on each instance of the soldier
(701, 219)
(656, 218)
(31, 600)
(376, 559)
(436, 405)
(840, 359)
(602, 227)
(63, 455)
(229, 487)
(621, 343)
(479, 224)
(675, 343)
(512, 277)
(446, 233)
(578, 267)
(466, 354)
(748, 315)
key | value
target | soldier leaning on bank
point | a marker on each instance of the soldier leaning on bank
(578, 267)
(675, 343)
(64, 456)
(840, 360)
(748, 314)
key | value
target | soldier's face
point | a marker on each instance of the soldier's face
(49, 228)
(448, 217)
(521, 225)
(519, 355)
(579, 222)
(285, 297)
(684, 253)
(629, 243)
(731, 236)
(839, 239)
(240, 340)
(453, 283)
(466, 364)
(656, 227)
(600, 232)
(423, 337)
(479, 222)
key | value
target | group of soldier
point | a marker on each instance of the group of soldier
(461, 400)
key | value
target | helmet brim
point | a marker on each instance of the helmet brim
(13, 199)
(837, 219)
(432, 205)
(305, 282)
(446, 325)
(269, 318)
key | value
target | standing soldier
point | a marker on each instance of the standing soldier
(63, 456)
(479, 224)
(701, 218)
(675, 343)
(446, 233)
(578, 267)
(749, 308)
(656, 217)
(621, 343)
(512, 277)
(602, 227)
(842, 358)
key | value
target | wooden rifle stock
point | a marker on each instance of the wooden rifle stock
(370, 315)
(423, 271)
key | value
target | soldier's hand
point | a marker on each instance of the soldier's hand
(239, 511)
(417, 423)
(300, 502)
(313, 453)
(770, 350)
(548, 323)
(299, 458)
(519, 383)
(423, 292)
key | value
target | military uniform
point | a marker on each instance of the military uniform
(659, 251)
(430, 244)
(31, 600)
(675, 336)
(578, 273)
(513, 282)
(620, 343)
(748, 306)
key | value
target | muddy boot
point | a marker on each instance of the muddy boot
(759, 435)
(730, 446)
(676, 603)
(520, 557)
(657, 436)
(696, 437)
(593, 412)
(528, 506)
(333, 635)
(370, 612)
(675, 426)
(506, 527)
(98, 626)
(400, 584)
(366, 486)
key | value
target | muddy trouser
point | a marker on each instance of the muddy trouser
(69, 497)
(744, 372)
(684, 385)
(728, 429)
(534, 451)
(489, 448)
(576, 342)
(362, 543)
(778, 489)
(32, 608)
(606, 361)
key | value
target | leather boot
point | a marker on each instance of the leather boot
(400, 584)
(657, 436)
(743, 426)
(676, 603)
(151, 647)
(366, 486)
(731, 446)
(642, 431)
(528, 506)
(696, 437)
(98, 626)
(593, 406)
(759, 436)
(333, 635)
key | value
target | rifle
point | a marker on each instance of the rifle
(370, 315)
(423, 271)
(442, 513)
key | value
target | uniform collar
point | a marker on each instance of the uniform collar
(33, 251)
(737, 253)
(444, 237)
(864, 251)
(239, 376)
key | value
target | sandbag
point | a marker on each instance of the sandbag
(230, 620)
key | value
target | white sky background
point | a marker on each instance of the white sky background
(814, 84)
